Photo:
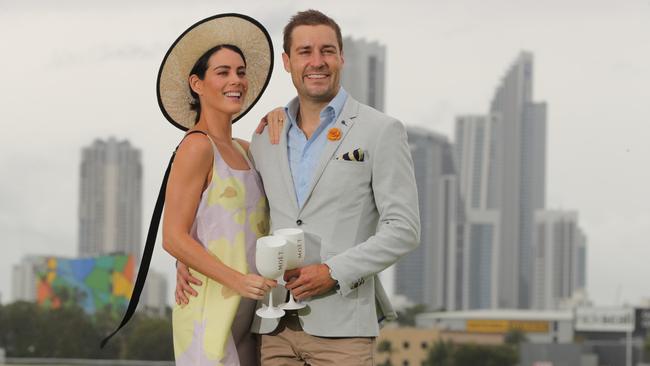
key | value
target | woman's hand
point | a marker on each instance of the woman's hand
(275, 121)
(254, 286)
(183, 287)
(249, 285)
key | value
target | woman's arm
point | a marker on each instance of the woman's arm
(182, 198)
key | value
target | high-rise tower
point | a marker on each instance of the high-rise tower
(521, 171)
(429, 274)
(364, 71)
(110, 201)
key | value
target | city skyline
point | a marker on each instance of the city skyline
(92, 80)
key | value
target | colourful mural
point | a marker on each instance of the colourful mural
(92, 283)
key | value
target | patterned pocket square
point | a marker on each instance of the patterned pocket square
(356, 155)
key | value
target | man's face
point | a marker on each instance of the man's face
(315, 62)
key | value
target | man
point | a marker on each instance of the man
(342, 172)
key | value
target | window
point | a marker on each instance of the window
(423, 345)
(406, 345)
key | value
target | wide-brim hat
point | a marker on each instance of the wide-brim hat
(248, 34)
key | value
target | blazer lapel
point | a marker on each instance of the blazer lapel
(285, 170)
(344, 122)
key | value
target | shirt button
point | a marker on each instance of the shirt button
(298, 222)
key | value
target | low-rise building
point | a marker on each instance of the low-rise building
(539, 326)
(406, 346)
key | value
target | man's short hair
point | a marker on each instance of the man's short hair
(310, 17)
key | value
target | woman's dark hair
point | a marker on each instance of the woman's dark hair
(199, 69)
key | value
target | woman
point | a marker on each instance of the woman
(215, 203)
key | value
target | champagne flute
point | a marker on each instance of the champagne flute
(295, 257)
(270, 260)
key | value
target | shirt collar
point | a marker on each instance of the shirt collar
(334, 106)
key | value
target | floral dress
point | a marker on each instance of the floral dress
(214, 327)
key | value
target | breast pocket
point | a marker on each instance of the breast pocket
(348, 171)
(352, 178)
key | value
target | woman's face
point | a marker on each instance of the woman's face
(225, 84)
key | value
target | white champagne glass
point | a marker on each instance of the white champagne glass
(270, 260)
(295, 257)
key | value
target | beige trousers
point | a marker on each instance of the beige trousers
(289, 345)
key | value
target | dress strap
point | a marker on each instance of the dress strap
(243, 152)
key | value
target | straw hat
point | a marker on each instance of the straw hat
(236, 29)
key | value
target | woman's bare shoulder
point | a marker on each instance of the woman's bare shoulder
(195, 147)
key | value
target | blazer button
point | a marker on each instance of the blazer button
(298, 222)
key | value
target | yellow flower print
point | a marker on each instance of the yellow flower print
(230, 192)
(231, 254)
(259, 218)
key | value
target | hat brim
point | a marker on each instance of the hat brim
(172, 87)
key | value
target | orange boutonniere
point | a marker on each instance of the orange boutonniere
(334, 134)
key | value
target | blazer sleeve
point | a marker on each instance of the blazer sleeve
(396, 197)
(255, 146)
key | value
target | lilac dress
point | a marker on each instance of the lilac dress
(214, 327)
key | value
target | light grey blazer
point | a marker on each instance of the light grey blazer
(359, 218)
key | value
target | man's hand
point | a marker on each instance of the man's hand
(275, 120)
(183, 280)
(309, 281)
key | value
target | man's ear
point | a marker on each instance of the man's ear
(195, 84)
(285, 61)
(342, 58)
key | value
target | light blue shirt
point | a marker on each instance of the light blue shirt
(304, 155)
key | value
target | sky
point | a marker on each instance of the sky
(73, 71)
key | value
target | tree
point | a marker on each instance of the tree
(450, 354)
(483, 355)
(515, 336)
(105, 320)
(385, 346)
(150, 339)
(66, 332)
(2, 325)
(30, 330)
(441, 354)
(20, 328)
